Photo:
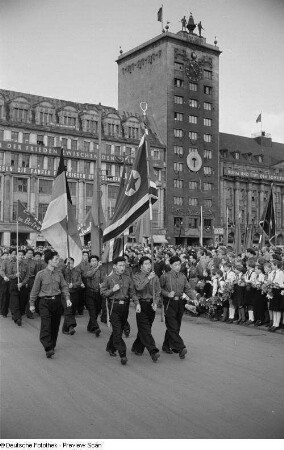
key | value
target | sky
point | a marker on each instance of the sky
(67, 49)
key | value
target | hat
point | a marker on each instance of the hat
(174, 259)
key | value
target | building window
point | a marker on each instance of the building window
(193, 103)
(50, 141)
(207, 106)
(86, 146)
(192, 119)
(178, 133)
(193, 87)
(178, 116)
(192, 201)
(39, 139)
(178, 150)
(207, 74)
(207, 154)
(1, 158)
(64, 142)
(192, 185)
(72, 188)
(208, 203)
(207, 186)
(40, 159)
(20, 184)
(26, 138)
(117, 150)
(14, 159)
(178, 221)
(178, 167)
(192, 222)
(73, 163)
(193, 150)
(69, 121)
(87, 167)
(178, 184)
(207, 137)
(42, 208)
(179, 66)
(178, 201)
(207, 223)
(45, 118)
(89, 190)
(207, 170)
(91, 125)
(207, 122)
(192, 135)
(1, 134)
(15, 136)
(179, 83)
(237, 155)
(45, 187)
(15, 210)
(74, 144)
(207, 90)
(25, 160)
(20, 115)
(113, 192)
(155, 155)
(108, 149)
(133, 132)
(260, 158)
(178, 100)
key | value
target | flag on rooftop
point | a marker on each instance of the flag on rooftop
(160, 14)
(258, 118)
(59, 225)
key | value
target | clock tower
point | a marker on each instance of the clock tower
(177, 75)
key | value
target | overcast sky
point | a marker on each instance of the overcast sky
(67, 49)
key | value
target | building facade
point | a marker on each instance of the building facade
(177, 75)
(32, 131)
(248, 166)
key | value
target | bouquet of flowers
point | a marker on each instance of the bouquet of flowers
(228, 289)
(213, 303)
(267, 288)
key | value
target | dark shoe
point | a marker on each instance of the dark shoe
(230, 320)
(224, 319)
(103, 321)
(19, 322)
(182, 353)
(249, 322)
(49, 353)
(243, 322)
(269, 324)
(97, 333)
(123, 360)
(72, 331)
(137, 353)
(30, 316)
(272, 329)
(238, 321)
(167, 350)
(126, 334)
(65, 332)
(155, 356)
(111, 353)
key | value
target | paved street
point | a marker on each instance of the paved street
(231, 385)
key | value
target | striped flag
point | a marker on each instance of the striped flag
(59, 225)
(139, 190)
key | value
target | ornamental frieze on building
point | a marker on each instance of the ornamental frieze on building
(142, 62)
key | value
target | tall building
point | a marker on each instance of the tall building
(32, 131)
(177, 75)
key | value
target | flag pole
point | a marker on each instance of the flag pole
(201, 226)
(97, 192)
(67, 231)
(17, 243)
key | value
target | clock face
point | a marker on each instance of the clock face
(193, 71)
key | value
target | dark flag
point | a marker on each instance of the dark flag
(160, 14)
(139, 189)
(267, 222)
(27, 218)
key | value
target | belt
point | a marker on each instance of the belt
(147, 300)
(50, 297)
(121, 302)
(177, 297)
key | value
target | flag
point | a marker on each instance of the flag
(59, 225)
(160, 14)
(27, 218)
(267, 222)
(258, 118)
(97, 223)
(85, 227)
(139, 190)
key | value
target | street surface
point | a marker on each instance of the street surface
(231, 385)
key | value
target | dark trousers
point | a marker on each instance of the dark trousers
(126, 328)
(81, 300)
(25, 300)
(144, 321)
(104, 311)
(69, 316)
(75, 299)
(4, 297)
(94, 303)
(259, 307)
(174, 310)
(16, 299)
(118, 318)
(50, 311)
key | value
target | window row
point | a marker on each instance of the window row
(178, 150)
(178, 167)
(179, 201)
(192, 222)
(179, 117)
(208, 90)
(193, 135)
(193, 103)
(206, 73)
(192, 185)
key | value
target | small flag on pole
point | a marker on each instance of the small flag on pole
(27, 218)
(258, 118)
(160, 15)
